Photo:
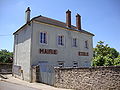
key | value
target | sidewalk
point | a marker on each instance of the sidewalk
(32, 85)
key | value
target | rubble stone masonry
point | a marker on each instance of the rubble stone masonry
(5, 68)
(93, 78)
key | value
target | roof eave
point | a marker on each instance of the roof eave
(25, 25)
(84, 31)
(28, 23)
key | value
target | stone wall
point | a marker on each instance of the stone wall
(93, 78)
(5, 68)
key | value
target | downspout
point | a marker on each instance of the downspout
(16, 47)
(31, 53)
(13, 56)
(15, 52)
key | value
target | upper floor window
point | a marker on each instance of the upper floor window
(43, 37)
(61, 40)
(86, 44)
(74, 42)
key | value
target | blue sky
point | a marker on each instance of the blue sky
(101, 17)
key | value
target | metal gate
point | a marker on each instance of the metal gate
(46, 73)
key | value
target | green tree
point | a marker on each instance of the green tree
(6, 56)
(104, 55)
(117, 61)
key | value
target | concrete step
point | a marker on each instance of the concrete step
(3, 76)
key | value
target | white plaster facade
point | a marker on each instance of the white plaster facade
(66, 53)
(27, 45)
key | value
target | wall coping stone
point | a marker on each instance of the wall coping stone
(96, 67)
(5, 63)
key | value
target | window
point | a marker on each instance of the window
(75, 64)
(86, 44)
(74, 42)
(60, 63)
(43, 37)
(86, 64)
(61, 40)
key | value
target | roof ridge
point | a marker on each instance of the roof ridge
(50, 19)
(54, 20)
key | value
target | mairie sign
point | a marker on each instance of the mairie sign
(48, 51)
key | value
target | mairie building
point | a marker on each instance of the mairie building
(50, 43)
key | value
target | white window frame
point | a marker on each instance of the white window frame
(60, 63)
(60, 40)
(86, 44)
(86, 64)
(44, 39)
(75, 64)
(74, 42)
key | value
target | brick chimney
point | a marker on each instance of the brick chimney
(68, 18)
(27, 16)
(78, 21)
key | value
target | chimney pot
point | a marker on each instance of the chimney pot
(78, 21)
(68, 18)
(27, 14)
(28, 9)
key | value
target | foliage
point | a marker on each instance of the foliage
(117, 61)
(6, 56)
(105, 56)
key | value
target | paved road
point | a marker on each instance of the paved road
(11, 86)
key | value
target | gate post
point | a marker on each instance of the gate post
(35, 73)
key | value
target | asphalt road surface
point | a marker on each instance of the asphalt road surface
(12, 86)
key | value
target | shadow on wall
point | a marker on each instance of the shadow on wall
(23, 35)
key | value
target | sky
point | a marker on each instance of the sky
(100, 17)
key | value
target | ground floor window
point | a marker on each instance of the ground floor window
(75, 64)
(60, 63)
(86, 64)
